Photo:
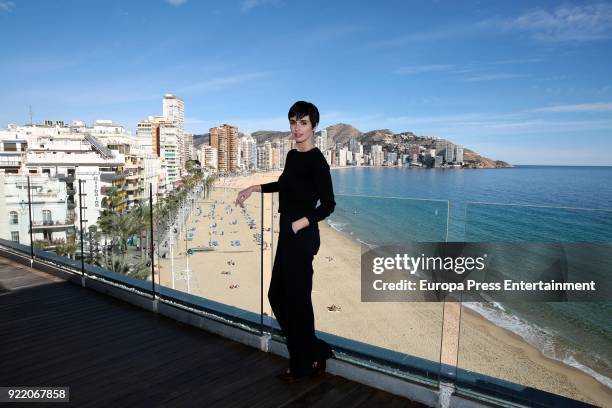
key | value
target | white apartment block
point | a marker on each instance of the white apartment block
(208, 158)
(459, 154)
(169, 150)
(342, 157)
(377, 155)
(248, 147)
(188, 145)
(321, 140)
(285, 146)
(173, 109)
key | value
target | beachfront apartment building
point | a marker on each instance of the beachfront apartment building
(170, 153)
(459, 154)
(188, 146)
(173, 110)
(449, 156)
(208, 158)
(358, 159)
(321, 140)
(377, 155)
(225, 140)
(248, 152)
(341, 158)
(264, 156)
(253, 164)
(276, 160)
(285, 146)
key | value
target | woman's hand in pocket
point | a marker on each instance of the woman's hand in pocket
(299, 224)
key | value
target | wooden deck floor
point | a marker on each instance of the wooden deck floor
(110, 354)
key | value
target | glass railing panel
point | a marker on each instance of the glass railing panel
(516, 345)
(115, 238)
(52, 226)
(18, 203)
(270, 243)
(208, 249)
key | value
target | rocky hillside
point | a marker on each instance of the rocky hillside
(474, 160)
(262, 136)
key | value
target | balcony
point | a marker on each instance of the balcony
(50, 224)
(110, 177)
(113, 354)
(66, 178)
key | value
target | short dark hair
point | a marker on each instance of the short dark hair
(303, 108)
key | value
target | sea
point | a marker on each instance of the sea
(543, 204)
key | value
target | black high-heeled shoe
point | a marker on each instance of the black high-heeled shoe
(288, 377)
(318, 368)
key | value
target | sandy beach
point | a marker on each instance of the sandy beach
(231, 274)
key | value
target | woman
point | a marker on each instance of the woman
(304, 181)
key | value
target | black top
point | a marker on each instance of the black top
(305, 179)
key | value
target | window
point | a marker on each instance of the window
(15, 236)
(10, 147)
(47, 217)
(13, 218)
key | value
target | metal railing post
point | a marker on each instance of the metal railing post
(261, 263)
(152, 251)
(31, 223)
(81, 227)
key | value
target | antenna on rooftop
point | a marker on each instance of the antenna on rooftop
(30, 115)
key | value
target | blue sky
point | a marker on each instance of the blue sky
(523, 81)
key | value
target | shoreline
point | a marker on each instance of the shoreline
(484, 347)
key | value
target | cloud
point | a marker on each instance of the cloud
(248, 5)
(585, 107)
(176, 3)
(566, 23)
(216, 84)
(493, 77)
(6, 6)
(476, 69)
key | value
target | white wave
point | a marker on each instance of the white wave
(337, 225)
(533, 335)
(366, 243)
(588, 370)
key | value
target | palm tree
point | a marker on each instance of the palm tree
(121, 264)
(112, 199)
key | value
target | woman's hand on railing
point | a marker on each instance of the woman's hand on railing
(245, 194)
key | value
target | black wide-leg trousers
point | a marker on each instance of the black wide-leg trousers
(290, 295)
